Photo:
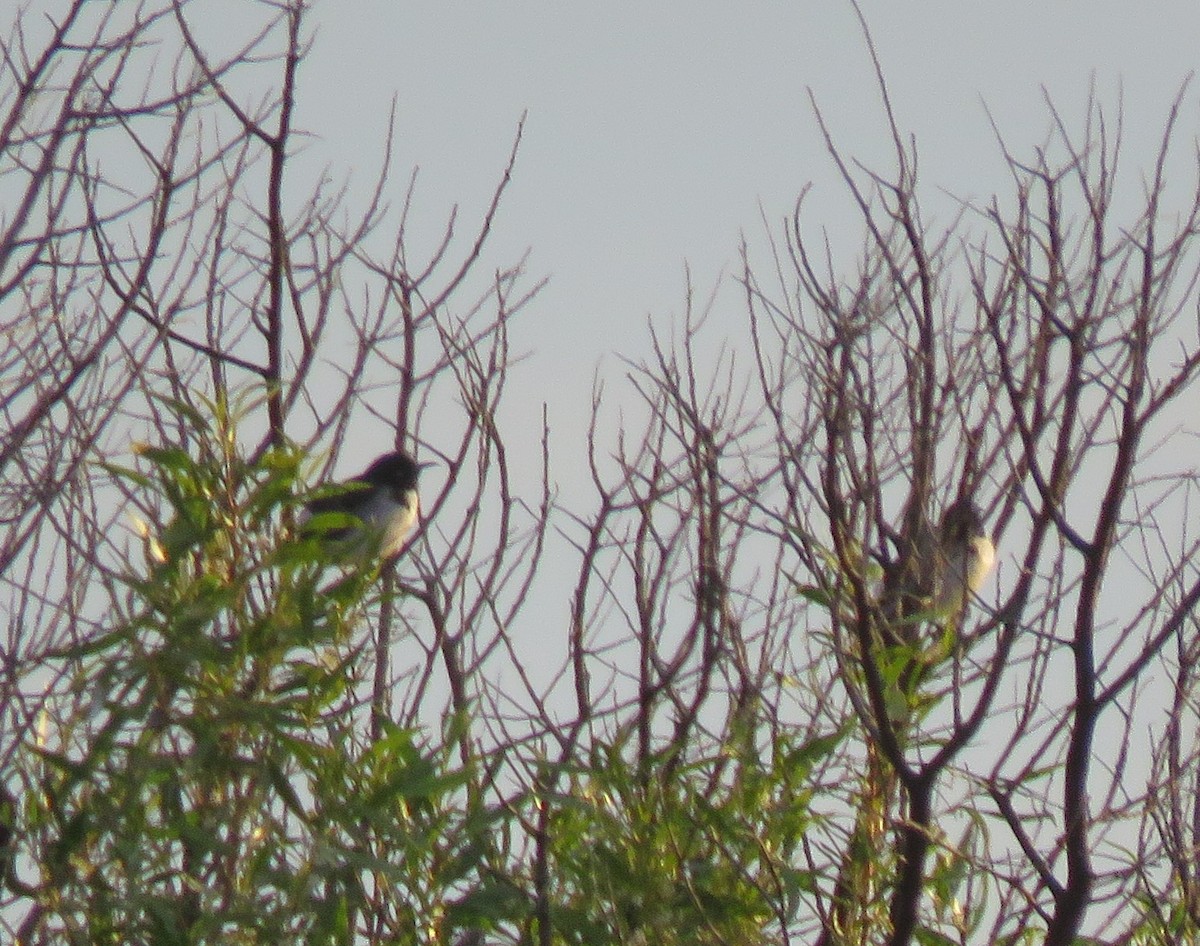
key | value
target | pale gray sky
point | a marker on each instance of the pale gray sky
(656, 131)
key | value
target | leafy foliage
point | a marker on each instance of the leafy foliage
(212, 783)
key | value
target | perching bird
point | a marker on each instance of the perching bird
(384, 497)
(962, 558)
(925, 596)
(945, 566)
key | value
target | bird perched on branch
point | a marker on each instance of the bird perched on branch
(961, 559)
(923, 605)
(384, 497)
(943, 568)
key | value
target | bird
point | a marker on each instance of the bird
(384, 496)
(946, 565)
(962, 558)
(924, 602)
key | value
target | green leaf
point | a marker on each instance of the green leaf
(814, 595)
(175, 459)
(800, 760)
(928, 937)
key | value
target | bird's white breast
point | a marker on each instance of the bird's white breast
(980, 561)
(394, 520)
(963, 574)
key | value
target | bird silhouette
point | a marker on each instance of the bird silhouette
(384, 497)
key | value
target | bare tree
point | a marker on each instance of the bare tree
(1042, 369)
(768, 724)
(159, 259)
(983, 772)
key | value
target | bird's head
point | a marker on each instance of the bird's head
(395, 470)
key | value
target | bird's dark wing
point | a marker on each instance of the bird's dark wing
(349, 498)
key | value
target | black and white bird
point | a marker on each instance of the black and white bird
(962, 557)
(384, 496)
(946, 566)
(930, 590)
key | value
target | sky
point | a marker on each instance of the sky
(658, 135)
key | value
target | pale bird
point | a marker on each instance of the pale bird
(962, 559)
